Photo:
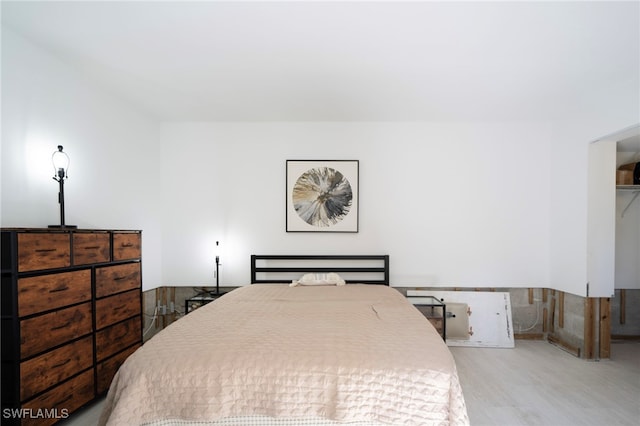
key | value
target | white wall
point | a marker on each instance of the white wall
(453, 204)
(113, 176)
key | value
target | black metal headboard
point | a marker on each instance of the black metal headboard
(365, 269)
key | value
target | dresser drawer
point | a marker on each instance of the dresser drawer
(117, 308)
(114, 279)
(126, 245)
(46, 292)
(46, 331)
(44, 371)
(38, 251)
(113, 339)
(106, 370)
(64, 399)
(91, 247)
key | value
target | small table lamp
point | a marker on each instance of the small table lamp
(60, 165)
(217, 270)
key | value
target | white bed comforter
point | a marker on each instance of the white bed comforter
(352, 353)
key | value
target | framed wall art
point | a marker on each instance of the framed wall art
(322, 195)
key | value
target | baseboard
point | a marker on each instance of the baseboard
(624, 337)
(556, 341)
(529, 336)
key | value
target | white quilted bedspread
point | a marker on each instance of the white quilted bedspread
(346, 353)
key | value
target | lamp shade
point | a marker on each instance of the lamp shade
(60, 163)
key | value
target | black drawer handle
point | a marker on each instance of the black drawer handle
(119, 307)
(46, 250)
(126, 245)
(119, 278)
(64, 287)
(92, 247)
(67, 361)
(65, 325)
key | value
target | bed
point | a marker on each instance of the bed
(333, 345)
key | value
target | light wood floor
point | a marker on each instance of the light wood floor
(539, 384)
(534, 384)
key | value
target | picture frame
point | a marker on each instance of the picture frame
(322, 195)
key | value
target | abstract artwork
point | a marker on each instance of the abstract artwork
(322, 195)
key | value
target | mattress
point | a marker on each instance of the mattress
(359, 354)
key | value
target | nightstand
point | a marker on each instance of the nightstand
(435, 310)
(197, 302)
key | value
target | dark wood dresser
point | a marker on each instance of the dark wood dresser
(71, 314)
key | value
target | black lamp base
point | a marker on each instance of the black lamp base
(64, 226)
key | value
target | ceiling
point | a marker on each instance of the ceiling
(342, 61)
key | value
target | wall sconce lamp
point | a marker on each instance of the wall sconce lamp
(60, 165)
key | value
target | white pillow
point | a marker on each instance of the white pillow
(319, 279)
